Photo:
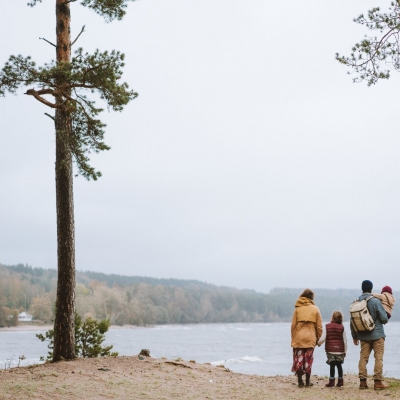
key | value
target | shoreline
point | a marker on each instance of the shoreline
(45, 327)
(27, 328)
(151, 378)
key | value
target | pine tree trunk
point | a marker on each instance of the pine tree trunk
(64, 324)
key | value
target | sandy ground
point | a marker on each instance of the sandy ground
(150, 378)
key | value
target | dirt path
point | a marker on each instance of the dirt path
(149, 378)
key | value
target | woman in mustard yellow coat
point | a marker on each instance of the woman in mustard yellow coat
(306, 331)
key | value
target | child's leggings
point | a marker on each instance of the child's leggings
(338, 364)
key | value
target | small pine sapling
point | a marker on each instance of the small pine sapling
(89, 338)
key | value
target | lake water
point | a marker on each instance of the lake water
(262, 349)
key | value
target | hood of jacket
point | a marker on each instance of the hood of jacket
(389, 298)
(303, 301)
(306, 310)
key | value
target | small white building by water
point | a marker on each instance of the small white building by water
(24, 317)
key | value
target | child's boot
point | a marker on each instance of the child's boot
(340, 382)
(331, 383)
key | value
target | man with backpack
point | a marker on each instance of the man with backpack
(370, 334)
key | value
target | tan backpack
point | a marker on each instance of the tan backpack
(360, 317)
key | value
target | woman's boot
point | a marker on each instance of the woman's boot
(308, 383)
(300, 379)
(331, 383)
(340, 382)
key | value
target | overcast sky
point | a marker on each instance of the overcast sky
(249, 159)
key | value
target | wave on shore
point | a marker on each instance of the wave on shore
(239, 360)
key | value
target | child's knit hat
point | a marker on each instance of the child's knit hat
(387, 289)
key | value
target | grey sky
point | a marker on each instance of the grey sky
(249, 158)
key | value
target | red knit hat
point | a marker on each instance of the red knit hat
(387, 289)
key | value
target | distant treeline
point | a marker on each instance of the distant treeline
(147, 301)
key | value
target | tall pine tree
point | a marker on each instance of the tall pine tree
(62, 85)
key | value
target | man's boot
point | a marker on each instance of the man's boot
(380, 385)
(339, 382)
(363, 384)
(300, 379)
(331, 383)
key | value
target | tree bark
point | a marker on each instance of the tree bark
(64, 324)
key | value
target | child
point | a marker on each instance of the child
(387, 299)
(335, 340)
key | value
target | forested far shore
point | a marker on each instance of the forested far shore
(145, 301)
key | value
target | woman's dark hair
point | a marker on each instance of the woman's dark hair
(308, 293)
(337, 317)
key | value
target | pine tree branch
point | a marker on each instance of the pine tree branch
(50, 116)
(38, 97)
(45, 91)
(378, 46)
(48, 41)
(33, 3)
(92, 69)
(100, 72)
(80, 33)
(79, 103)
(87, 103)
(78, 85)
(76, 101)
(372, 54)
(109, 9)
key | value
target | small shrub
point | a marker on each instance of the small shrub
(89, 336)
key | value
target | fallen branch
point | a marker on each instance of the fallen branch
(177, 364)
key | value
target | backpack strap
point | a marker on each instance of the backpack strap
(368, 298)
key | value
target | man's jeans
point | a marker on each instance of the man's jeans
(378, 346)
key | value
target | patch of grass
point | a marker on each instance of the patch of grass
(394, 383)
(16, 389)
(119, 382)
(45, 374)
